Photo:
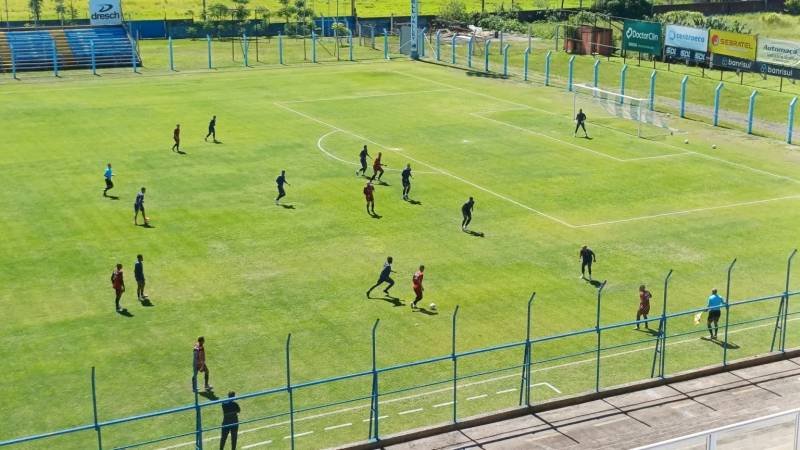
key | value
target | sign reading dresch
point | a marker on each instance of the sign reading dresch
(105, 12)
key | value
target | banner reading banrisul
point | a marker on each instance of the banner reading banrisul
(782, 53)
(643, 37)
(732, 44)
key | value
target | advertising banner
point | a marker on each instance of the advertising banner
(746, 65)
(732, 63)
(685, 55)
(644, 37)
(783, 53)
(732, 44)
(105, 12)
(686, 37)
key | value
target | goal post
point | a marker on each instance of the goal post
(624, 113)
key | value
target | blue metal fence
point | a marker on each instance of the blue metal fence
(737, 315)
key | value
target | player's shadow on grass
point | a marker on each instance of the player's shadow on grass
(208, 394)
(111, 197)
(393, 300)
(288, 206)
(649, 331)
(473, 73)
(145, 225)
(146, 302)
(414, 202)
(428, 312)
(382, 183)
(595, 283)
(124, 312)
(730, 345)
(474, 233)
(376, 216)
(181, 152)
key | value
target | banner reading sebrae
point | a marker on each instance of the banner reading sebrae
(783, 53)
(732, 44)
(641, 36)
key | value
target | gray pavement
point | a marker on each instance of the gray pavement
(642, 417)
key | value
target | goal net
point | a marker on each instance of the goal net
(619, 112)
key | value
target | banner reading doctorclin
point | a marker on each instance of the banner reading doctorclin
(732, 44)
(643, 37)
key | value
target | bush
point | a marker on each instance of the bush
(499, 23)
(792, 6)
(454, 11)
(696, 19)
(632, 9)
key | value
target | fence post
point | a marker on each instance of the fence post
(245, 49)
(55, 60)
(453, 49)
(198, 436)
(786, 309)
(716, 103)
(596, 74)
(547, 68)
(727, 313)
(13, 61)
(94, 60)
(751, 109)
(570, 70)
(525, 383)
(653, 90)
(505, 60)
(622, 77)
(289, 390)
(133, 56)
(314, 47)
(422, 50)
(597, 329)
(350, 43)
(438, 45)
(94, 406)
(683, 95)
(664, 334)
(790, 127)
(385, 44)
(208, 40)
(374, 413)
(280, 48)
(455, 369)
(661, 337)
(486, 55)
(526, 57)
(501, 40)
(470, 48)
(171, 58)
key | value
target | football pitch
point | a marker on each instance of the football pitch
(223, 261)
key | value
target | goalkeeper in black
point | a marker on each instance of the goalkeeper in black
(580, 121)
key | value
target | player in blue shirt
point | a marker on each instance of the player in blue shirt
(362, 157)
(406, 174)
(280, 181)
(109, 184)
(138, 206)
(212, 129)
(138, 272)
(384, 277)
(715, 302)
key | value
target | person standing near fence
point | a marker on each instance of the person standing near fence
(715, 302)
(644, 306)
(406, 176)
(109, 184)
(580, 122)
(230, 421)
(199, 358)
(362, 157)
(176, 136)
(212, 129)
(118, 283)
(587, 257)
(280, 181)
(384, 277)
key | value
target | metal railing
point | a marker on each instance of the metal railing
(739, 315)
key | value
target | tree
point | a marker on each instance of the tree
(61, 10)
(35, 7)
(218, 11)
(286, 11)
(240, 11)
(632, 9)
(454, 11)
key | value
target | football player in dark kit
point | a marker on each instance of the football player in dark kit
(406, 176)
(466, 211)
(362, 157)
(587, 258)
(280, 181)
(580, 122)
(384, 277)
(212, 129)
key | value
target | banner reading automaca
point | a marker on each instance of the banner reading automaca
(783, 53)
(643, 37)
(105, 12)
(686, 43)
(728, 43)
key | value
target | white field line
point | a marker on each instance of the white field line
(522, 105)
(503, 377)
(257, 444)
(690, 211)
(477, 397)
(332, 156)
(552, 388)
(440, 405)
(410, 411)
(336, 427)
(297, 435)
(443, 172)
(357, 97)
(505, 391)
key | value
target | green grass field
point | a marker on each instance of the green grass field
(224, 262)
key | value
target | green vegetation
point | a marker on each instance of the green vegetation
(223, 261)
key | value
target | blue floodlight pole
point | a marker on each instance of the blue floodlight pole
(683, 95)
(547, 67)
(385, 44)
(171, 58)
(570, 71)
(597, 328)
(314, 47)
(455, 368)
(596, 74)
(622, 77)
(280, 48)
(653, 90)
(786, 294)
(94, 406)
(208, 40)
(716, 102)
(727, 313)
(289, 389)
(374, 413)
(470, 50)
(414, 29)
(505, 59)
(94, 60)
(790, 127)
(55, 60)
(751, 109)
(438, 45)
(350, 43)
(526, 58)
(486, 55)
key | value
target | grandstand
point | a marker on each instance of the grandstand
(66, 48)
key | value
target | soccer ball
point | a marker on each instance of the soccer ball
(685, 141)
(714, 146)
(433, 306)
